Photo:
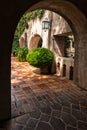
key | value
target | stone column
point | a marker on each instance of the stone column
(21, 42)
(80, 69)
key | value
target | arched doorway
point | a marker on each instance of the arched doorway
(76, 20)
(78, 26)
(73, 22)
(35, 41)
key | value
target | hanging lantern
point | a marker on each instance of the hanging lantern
(46, 24)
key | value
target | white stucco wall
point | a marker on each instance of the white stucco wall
(59, 26)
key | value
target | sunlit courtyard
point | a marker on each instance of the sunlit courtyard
(45, 102)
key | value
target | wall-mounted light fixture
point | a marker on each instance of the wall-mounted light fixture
(46, 24)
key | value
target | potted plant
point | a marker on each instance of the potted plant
(41, 58)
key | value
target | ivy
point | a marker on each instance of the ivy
(25, 18)
(23, 23)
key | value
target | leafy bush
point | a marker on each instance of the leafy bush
(15, 51)
(15, 46)
(40, 57)
(23, 23)
(22, 53)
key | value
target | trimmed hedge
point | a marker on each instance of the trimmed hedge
(40, 57)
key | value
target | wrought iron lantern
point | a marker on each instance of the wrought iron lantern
(46, 24)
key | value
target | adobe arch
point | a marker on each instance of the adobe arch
(35, 41)
(78, 24)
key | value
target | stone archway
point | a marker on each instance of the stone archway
(35, 41)
(11, 13)
(78, 24)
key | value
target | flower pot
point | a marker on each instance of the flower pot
(46, 70)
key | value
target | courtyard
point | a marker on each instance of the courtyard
(44, 102)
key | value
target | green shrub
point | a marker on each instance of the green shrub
(15, 51)
(40, 57)
(15, 47)
(22, 53)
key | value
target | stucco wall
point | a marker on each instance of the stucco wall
(50, 38)
(59, 26)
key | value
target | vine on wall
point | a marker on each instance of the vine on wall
(23, 23)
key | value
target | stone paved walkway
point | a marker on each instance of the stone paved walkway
(44, 102)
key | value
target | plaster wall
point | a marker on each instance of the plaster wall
(59, 26)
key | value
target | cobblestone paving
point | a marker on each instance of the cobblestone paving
(44, 102)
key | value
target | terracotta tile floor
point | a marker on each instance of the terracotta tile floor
(44, 102)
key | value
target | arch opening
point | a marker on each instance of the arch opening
(77, 31)
(78, 26)
(10, 14)
(35, 42)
